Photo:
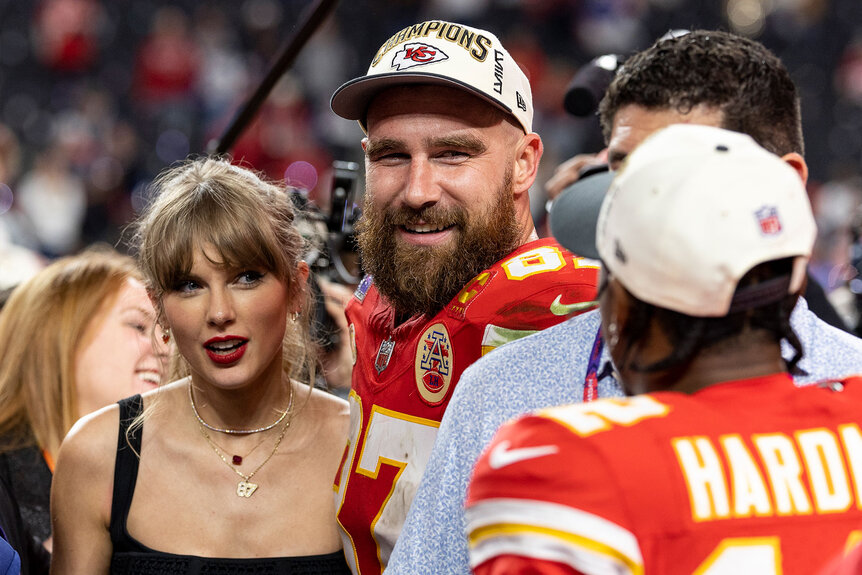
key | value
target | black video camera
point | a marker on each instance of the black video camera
(331, 244)
(330, 235)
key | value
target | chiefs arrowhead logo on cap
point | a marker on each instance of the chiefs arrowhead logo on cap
(417, 54)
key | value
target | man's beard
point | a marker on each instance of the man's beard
(423, 279)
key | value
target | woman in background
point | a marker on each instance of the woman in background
(75, 337)
(230, 467)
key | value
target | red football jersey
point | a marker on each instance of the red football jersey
(747, 477)
(403, 378)
(849, 562)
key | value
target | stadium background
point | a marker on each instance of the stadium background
(97, 96)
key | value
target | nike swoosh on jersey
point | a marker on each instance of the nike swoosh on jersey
(501, 455)
(558, 308)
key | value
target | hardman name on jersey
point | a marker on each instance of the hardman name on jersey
(731, 476)
(739, 489)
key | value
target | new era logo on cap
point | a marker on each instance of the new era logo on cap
(417, 54)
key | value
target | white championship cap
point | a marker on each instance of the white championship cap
(692, 210)
(444, 53)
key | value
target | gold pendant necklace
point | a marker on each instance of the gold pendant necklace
(245, 488)
(238, 459)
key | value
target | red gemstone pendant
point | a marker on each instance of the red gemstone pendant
(237, 460)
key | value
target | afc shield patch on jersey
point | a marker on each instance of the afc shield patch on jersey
(433, 364)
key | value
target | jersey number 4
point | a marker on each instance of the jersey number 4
(751, 556)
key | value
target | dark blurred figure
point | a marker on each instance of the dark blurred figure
(19, 549)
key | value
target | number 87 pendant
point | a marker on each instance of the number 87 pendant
(245, 488)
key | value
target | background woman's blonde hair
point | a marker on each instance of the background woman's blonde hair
(247, 221)
(41, 327)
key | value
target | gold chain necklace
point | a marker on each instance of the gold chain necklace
(239, 431)
(238, 459)
(245, 488)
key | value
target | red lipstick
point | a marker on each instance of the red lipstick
(231, 350)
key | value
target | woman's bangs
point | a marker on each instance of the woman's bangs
(236, 239)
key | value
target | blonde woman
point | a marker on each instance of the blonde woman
(75, 337)
(230, 467)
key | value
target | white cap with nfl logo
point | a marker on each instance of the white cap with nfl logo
(444, 53)
(692, 210)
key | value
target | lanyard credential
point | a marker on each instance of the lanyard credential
(591, 382)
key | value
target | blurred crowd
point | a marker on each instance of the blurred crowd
(96, 97)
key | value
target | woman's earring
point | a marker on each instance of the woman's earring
(166, 335)
(295, 316)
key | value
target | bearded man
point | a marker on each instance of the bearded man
(455, 267)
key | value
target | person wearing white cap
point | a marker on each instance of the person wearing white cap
(719, 463)
(455, 267)
(704, 77)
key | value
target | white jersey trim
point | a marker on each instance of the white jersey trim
(553, 532)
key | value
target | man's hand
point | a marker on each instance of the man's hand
(337, 364)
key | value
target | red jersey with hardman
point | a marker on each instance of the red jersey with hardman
(743, 477)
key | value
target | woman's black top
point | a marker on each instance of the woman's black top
(130, 557)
